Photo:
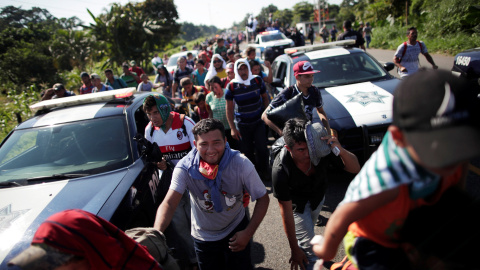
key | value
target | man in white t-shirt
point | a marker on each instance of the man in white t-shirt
(216, 178)
(406, 56)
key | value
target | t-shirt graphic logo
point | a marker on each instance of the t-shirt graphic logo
(179, 135)
(307, 66)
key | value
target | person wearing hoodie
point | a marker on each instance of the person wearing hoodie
(249, 94)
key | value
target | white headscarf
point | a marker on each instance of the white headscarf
(212, 72)
(239, 79)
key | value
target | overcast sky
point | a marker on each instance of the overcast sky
(221, 13)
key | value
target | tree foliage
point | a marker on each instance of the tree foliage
(25, 55)
(189, 31)
(134, 31)
(302, 11)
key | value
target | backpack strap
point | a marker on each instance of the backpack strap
(404, 50)
(256, 80)
(420, 44)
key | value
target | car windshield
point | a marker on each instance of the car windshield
(273, 37)
(80, 148)
(346, 69)
(172, 61)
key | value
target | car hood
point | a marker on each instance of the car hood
(23, 209)
(275, 43)
(354, 105)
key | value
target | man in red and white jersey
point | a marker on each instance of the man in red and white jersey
(173, 134)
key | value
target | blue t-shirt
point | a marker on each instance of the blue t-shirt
(249, 101)
(117, 83)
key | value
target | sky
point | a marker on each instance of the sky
(220, 13)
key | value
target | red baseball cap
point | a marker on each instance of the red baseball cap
(303, 67)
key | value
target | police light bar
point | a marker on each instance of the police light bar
(315, 47)
(83, 99)
(269, 32)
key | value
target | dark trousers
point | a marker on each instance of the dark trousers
(215, 255)
(372, 256)
(254, 145)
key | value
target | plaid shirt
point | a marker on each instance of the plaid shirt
(218, 108)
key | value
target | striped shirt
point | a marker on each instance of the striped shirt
(248, 99)
(389, 167)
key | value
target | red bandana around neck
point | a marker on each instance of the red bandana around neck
(208, 170)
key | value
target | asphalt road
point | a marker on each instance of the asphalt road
(442, 61)
(270, 248)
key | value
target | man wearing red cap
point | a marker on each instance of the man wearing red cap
(312, 98)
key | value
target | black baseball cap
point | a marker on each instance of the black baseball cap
(440, 116)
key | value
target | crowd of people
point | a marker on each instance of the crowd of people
(216, 145)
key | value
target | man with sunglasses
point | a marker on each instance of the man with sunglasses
(57, 91)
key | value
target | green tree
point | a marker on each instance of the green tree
(134, 31)
(25, 36)
(284, 17)
(71, 47)
(303, 11)
(263, 16)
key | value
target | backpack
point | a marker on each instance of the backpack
(405, 49)
(156, 244)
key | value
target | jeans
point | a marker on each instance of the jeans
(305, 230)
(254, 145)
(215, 255)
(368, 39)
(178, 233)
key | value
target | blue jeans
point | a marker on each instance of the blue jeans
(254, 145)
(305, 230)
(213, 255)
(368, 39)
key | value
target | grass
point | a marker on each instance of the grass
(390, 37)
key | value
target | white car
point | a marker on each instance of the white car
(356, 91)
(271, 44)
(172, 61)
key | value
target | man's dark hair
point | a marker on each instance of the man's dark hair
(347, 24)
(249, 50)
(253, 63)
(220, 40)
(125, 64)
(410, 29)
(294, 131)
(189, 53)
(84, 74)
(149, 103)
(207, 125)
(198, 97)
(215, 79)
(108, 70)
(200, 61)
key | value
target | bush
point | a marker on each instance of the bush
(389, 37)
(16, 108)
